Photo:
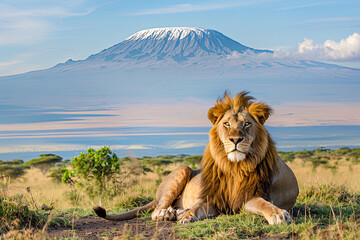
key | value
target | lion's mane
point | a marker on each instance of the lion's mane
(228, 185)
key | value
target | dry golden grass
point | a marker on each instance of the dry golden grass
(42, 188)
(345, 174)
(45, 191)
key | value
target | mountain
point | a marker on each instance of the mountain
(173, 62)
(177, 43)
(182, 45)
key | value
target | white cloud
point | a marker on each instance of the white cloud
(22, 26)
(345, 49)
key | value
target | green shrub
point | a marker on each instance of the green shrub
(287, 156)
(15, 212)
(95, 172)
(12, 169)
(12, 162)
(193, 161)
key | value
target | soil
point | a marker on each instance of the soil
(96, 228)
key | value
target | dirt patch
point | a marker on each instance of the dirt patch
(97, 228)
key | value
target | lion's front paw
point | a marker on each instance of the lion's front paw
(168, 214)
(187, 219)
(278, 216)
(180, 213)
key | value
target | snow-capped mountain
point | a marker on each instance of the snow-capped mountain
(178, 43)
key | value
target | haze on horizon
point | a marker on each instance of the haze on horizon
(44, 34)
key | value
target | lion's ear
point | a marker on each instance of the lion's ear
(260, 111)
(214, 114)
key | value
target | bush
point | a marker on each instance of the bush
(193, 161)
(12, 162)
(95, 172)
(15, 213)
(12, 169)
(57, 171)
(287, 156)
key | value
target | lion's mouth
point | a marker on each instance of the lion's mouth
(236, 155)
(237, 150)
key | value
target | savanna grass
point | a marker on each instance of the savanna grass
(322, 212)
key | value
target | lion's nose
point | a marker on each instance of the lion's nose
(236, 140)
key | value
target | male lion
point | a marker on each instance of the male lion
(240, 168)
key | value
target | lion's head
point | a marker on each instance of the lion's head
(241, 158)
(238, 127)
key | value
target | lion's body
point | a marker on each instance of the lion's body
(240, 169)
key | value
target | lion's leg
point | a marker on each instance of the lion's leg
(168, 191)
(200, 211)
(272, 214)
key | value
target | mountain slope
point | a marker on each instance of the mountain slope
(178, 43)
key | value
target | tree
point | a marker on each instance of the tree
(287, 156)
(303, 155)
(94, 172)
(193, 160)
(13, 168)
(44, 162)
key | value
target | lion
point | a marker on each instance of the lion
(240, 169)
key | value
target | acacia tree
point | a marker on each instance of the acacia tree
(13, 168)
(44, 162)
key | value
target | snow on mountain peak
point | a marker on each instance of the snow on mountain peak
(168, 32)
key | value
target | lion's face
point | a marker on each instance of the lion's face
(237, 131)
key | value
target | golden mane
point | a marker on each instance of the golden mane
(228, 185)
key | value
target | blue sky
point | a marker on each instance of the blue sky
(37, 34)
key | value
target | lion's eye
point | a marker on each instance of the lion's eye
(247, 124)
(227, 124)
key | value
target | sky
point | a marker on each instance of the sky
(38, 34)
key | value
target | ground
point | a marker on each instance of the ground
(96, 228)
(93, 227)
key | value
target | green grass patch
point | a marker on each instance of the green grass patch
(16, 213)
(322, 212)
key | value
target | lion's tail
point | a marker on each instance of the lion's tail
(101, 212)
